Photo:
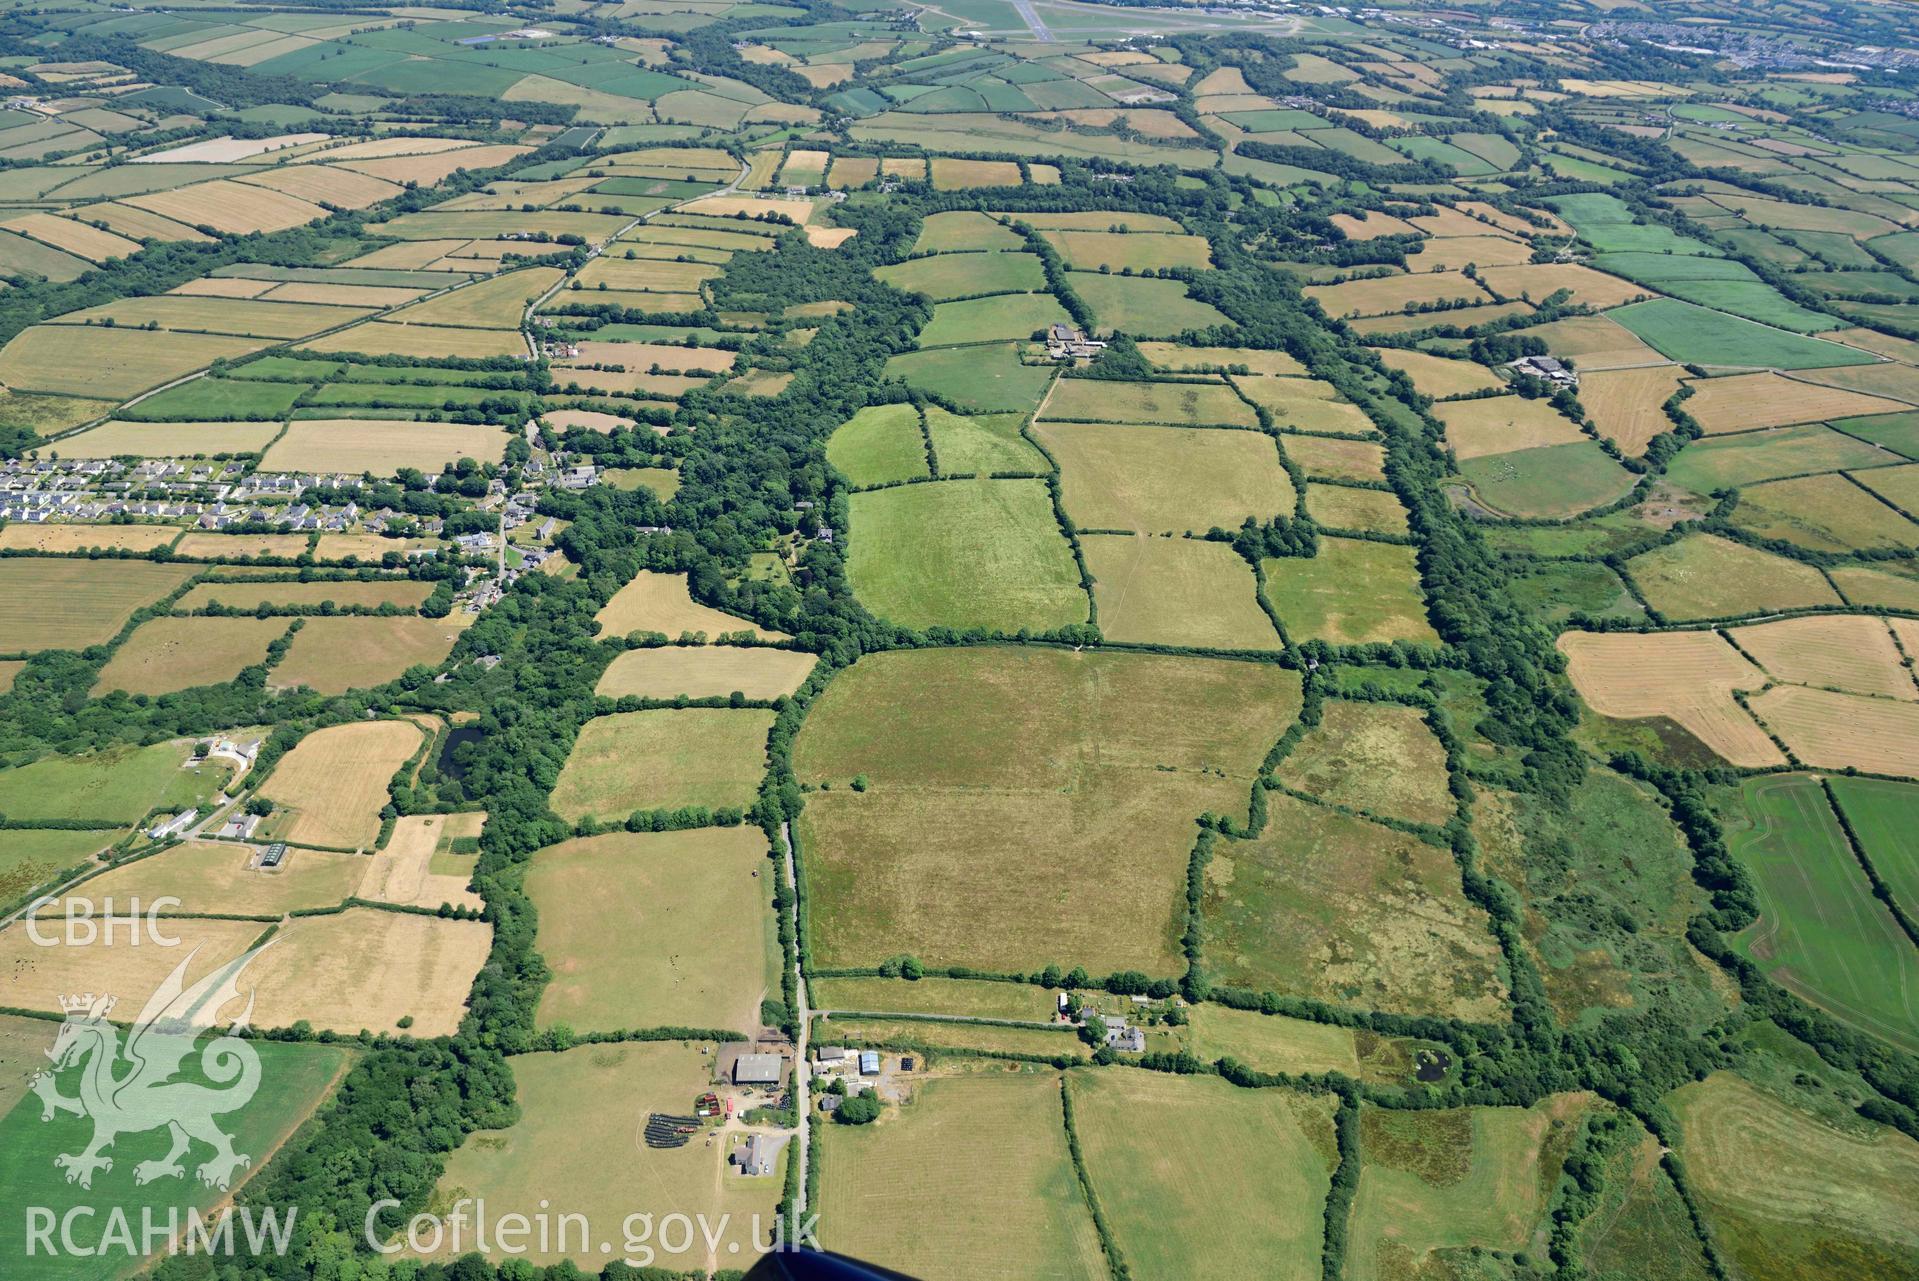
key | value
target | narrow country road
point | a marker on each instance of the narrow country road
(802, 1107)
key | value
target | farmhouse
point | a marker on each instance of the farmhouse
(1125, 1038)
(756, 1158)
(1547, 368)
(1063, 342)
(174, 826)
(757, 1069)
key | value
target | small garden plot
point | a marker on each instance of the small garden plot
(1353, 593)
(33, 977)
(578, 1144)
(92, 360)
(1387, 295)
(944, 276)
(370, 969)
(1537, 282)
(1820, 932)
(1161, 479)
(334, 655)
(1786, 1192)
(715, 671)
(1748, 401)
(74, 603)
(1376, 757)
(1443, 1186)
(114, 786)
(669, 758)
(1705, 576)
(168, 654)
(220, 877)
(655, 602)
(1342, 910)
(245, 317)
(967, 998)
(1830, 730)
(1850, 651)
(381, 445)
(964, 553)
(997, 319)
(1142, 306)
(1685, 677)
(331, 787)
(981, 446)
(988, 379)
(1120, 251)
(498, 303)
(1323, 456)
(1440, 376)
(78, 538)
(1728, 462)
(1825, 513)
(1175, 591)
(964, 230)
(1550, 483)
(969, 1150)
(423, 342)
(1700, 336)
(1171, 404)
(1174, 358)
(1628, 405)
(974, 758)
(1373, 511)
(655, 929)
(1504, 424)
(247, 595)
(1235, 1184)
(1304, 404)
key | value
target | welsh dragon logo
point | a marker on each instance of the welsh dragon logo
(131, 1088)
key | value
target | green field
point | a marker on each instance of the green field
(29, 856)
(96, 598)
(1551, 482)
(997, 319)
(1142, 306)
(1353, 593)
(119, 785)
(1175, 591)
(1166, 479)
(1640, 1227)
(978, 999)
(1705, 576)
(294, 1080)
(985, 1038)
(913, 1192)
(1820, 932)
(1825, 513)
(1728, 462)
(1881, 814)
(965, 554)
(1380, 758)
(944, 276)
(981, 446)
(1201, 1178)
(1897, 432)
(1700, 336)
(664, 759)
(976, 758)
(988, 379)
(879, 445)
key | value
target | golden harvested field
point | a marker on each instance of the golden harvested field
(33, 977)
(1304, 404)
(655, 602)
(243, 316)
(1336, 459)
(665, 758)
(1486, 252)
(75, 237)
(368, 547)
(1371, 225)
(428, 341)
(76, 538)
(829, 237)
(73, 603)
(1745, 402)
(1687, 677)
(1536, 281)
(1846, 651)
(1384, 295)
(343, 295)
(1439, 376)
(1175, 359)
(402, 873)
(1092, 250)
(499, 303)
(381, 446)
(799, 210)
(333, 655)
(138, 224)
(365, 968)
(231, 208)
(248, 594)
(221, 287)
(1626, 404)
(584, 419)
(1833, 731)
(951, 174)
(96, 361)
(1165, 479)
(220, 877)
(167, 654)
(643, 356)
(381, 148)
(205, 546)
(334, 782)
(1596, 343)
(437, 168)
(706, 671)
(1502, 424)
(325, 185)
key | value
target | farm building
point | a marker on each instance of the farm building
(829, 1054)
(174, 826)
(274, 855)
(757, 1069)
(869, 1063)
(756, 1158)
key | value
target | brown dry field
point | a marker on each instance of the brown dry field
(381, 338)
(1439, 376)
(232, 208)
(381, 446)
(402, 873)
(1843, 651)
(139, 224)
(1451, 222)
(333, 655)
(365, 968)
(644, 355)
(1833, 731)
(1687, 677)
(661, 603)
(249, 595)
(1596, 343)
(204, 546)
(1537, 280)
(1378, 757)
(343, 295)
(83, 360)
(1174, 358)
(335, 781)
(1502, 424)
(706, 671)
(829, 237)
(1745, 402)
(33, 977)
(74, 538)
(325, 183)
(1451, 253)
(1385, 295)
(1304, 404)
(168, 654)
(430, 170)
(219, 876)
(1625, 404)
(1500, 218)
(799, 210)
(1371, 225)
(1337, 459)
(74, 237)
(951, 174)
